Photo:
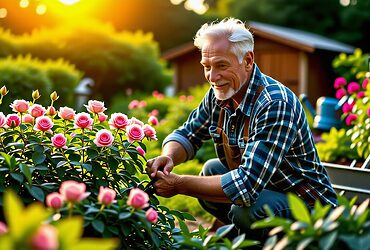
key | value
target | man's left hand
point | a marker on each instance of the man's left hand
(167, 185)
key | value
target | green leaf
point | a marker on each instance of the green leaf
(36, 192)
(38, 157)
(87, 166)
(98, 225)
(92, 153)
(18, 177)
(13, 209)
(25, 169)
(237, 241)
(222, 231)
(61, 163)
(299, 209)
(70, 231)
(90, 243)
(327, 241)
(124, 215)
(10, 161)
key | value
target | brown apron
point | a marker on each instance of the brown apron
(233, 154)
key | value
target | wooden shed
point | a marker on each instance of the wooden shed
(299, 59)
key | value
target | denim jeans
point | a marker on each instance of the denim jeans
(244, 217)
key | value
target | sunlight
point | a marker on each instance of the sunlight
(69, 2)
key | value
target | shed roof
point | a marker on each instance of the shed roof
(299, 39)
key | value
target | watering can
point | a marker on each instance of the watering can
(325, 115)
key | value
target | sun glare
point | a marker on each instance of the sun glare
(69, 2)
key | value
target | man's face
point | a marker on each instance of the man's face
(222, 68)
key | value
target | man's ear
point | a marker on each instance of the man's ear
(249, 60)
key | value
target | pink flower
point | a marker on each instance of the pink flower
(27, 118)
(160, 96)
(140, 150)
(182, 98)
(138, 198)
(142, 104)
(154, 112)
(83, 120)
(149, 132)
(364, 83)
(190, 98)
(353, 87)
(133, 120)
(155, 93)
(20, 106)
(361, 94)
(368, 112)
(134, 132)
(43, 123)
(102, 117)
(3, 228)
(350, 118)
(13, 120)
(340, 93)
(106, 196)
(59, 141)
(73, 191)
(37, 110)
(118, 121)
(45, 238)
(151, 215)
(2, 120)
(54, 200)
(340, 81)
(133, 104)
(51, 111)
(153, 120)
(104, 138)
(66, 113)
(95, 107)
(347, 107)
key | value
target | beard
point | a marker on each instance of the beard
(224, 95)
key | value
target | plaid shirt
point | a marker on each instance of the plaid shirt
(279, 154)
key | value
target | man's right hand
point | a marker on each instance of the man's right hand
(162, 163)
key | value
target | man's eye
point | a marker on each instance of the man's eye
(207, 68)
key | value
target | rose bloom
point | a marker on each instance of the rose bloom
(83, 120)
(45, 238)
(138, 198)
(54, 200)
(13, 120)
(133, 104)
(149, 132)
(347, 107)
(51, 111)
(134, 132)
(36, 110)
(95, 107)
(151, 215)
(73, 191)
(2, 120)
(102, 117)
(350, 118)
(20, 106)
(59, 141)
(190, 98)
(340, 81)
(27, 118)
(353, 87)
(106, 196)
(140, 150)
(3, 228)
(134, 120)
(118, 121)
(154, 112)
(66, 113)
(43, 123)
(340, 93)
(153, 120)
(104, 138)
(142, 104)
(364, 83)
(361, 94)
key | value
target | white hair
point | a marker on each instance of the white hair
(233, 29)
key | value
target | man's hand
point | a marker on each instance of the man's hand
(162, 163)
(167, 185)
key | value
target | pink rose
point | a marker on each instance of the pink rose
(133, 104)
(66, 113)
(2, 120)
(142, 104)
(350, 118)
(54, 200)
(153, 120)
(361, 94)
(103, 138)
(27, 118)
(45, 238)
(73, 191)
(43, 123)
(106, 196)
(95, 107)
(59, 141)
(364, 83)
(37, 110)
(140, 150)
(149, 132)
(340, 93)
(83, 120)
(182, 98)
(340, 81)
(13, 120)
(134, 132)
(138, 198)
(102, 117)
(118, 121)
(20, 106)
(51, 111)
(151, 215)
(190, 98)
(133, 120)
(160, 96)
(368, 112)
(347, 107)
(353, 87)
(154, 112)
(3, 228)
(155, 93)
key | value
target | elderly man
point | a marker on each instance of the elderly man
(263, 142)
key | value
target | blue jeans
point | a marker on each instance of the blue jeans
(244, 217)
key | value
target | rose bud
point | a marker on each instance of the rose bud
(138, 198)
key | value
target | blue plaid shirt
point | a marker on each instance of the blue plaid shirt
(279, 154)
